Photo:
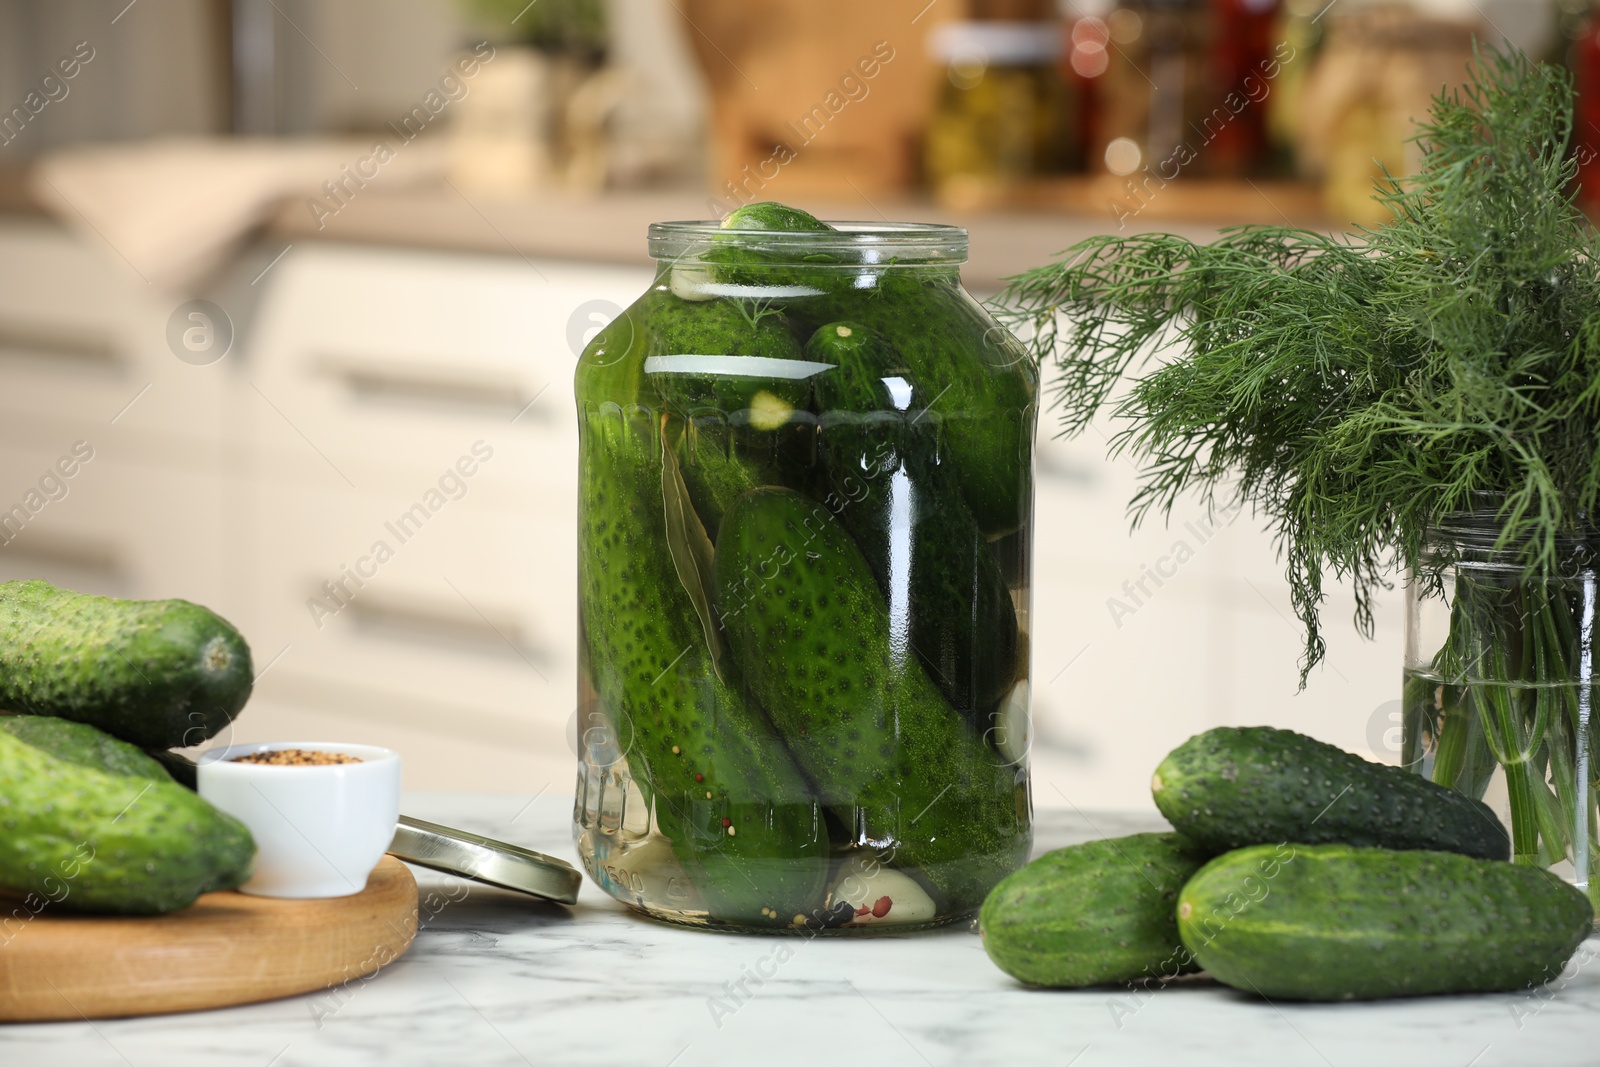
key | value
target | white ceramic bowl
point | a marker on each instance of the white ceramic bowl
(319, 830)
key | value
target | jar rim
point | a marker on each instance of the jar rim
(850, 242)
(1472, 538)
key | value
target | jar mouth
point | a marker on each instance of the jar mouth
(848, 244)
(1474, 537)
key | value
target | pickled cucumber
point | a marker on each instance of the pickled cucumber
(986, 397)
(780, 724)
(818, 648)
(740, 815)
(737, 383)
(771, 215)
(908, 519)
(731, 358)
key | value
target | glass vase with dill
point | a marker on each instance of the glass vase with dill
(1498, 694)
(1419, 399)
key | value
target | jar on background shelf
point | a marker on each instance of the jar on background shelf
(1149, 96)
(804, 540)
(1004, 114)
(1499, 688)
(1374, 78)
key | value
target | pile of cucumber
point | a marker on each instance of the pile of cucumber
(89, 820)
(1298, 871)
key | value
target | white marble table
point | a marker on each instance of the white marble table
(493, 979)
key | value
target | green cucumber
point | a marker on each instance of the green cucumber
(1093, 913)
(731, 430)
(894, 762)
(89, 840)
(986, 385)
(1336, 922)
(908, 518)
(157, 673)
(1252, 785)
(771, 215)
(756, 267)
(698, 353)
(80, 743)
(754, 846)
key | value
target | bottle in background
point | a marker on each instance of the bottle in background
(1243, 45)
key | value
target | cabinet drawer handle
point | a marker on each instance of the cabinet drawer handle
(58, 342)
(455, 387)
(31, 549)
(411, 619)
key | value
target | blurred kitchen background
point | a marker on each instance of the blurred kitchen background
(275, 273)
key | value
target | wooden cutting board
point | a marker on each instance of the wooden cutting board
(225, 949)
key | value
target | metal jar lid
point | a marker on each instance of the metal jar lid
(483, 859)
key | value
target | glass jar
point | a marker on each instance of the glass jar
(1499, 688)
(805, 505)
(1004, 114)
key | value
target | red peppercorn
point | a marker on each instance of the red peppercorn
(727, 822)
(699, 777)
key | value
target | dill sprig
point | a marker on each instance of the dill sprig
(1353, 389)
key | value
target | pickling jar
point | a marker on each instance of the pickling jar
(805, 527)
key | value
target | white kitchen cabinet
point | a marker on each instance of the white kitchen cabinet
(84, 344)
(122, 528)
(375, 379)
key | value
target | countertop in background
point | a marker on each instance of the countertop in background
(610, 228)
(493, 979)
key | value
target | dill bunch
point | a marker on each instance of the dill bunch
(1353, 389)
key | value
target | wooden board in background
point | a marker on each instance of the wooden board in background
(225, 949)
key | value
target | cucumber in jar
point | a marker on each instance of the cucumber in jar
(740, 816)
(907, 517)
(736, 382)
(987, 386)
(897, 765)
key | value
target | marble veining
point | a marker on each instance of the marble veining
(496, 979)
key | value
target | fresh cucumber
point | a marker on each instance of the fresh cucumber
(1093, 913)
(1236, 786)
(157, 673)
(907, 517)
(80, 743)
(90, 840)
(1336, 922)
(817, 647)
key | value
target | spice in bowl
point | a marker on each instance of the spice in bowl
(296, 757)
